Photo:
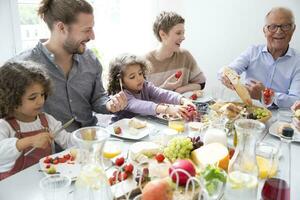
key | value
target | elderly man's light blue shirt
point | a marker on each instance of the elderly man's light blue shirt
(282, 74)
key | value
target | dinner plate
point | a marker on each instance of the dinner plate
(273, 130)
(128, 132)
(68, 168)
(201, 99)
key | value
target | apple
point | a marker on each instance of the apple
(157, 190)
(185, 165)
(178, 74)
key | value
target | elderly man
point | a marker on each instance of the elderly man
(275, 65)
(75, 71)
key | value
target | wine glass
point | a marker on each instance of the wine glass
(267, 97)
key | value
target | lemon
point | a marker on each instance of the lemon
(238, 180)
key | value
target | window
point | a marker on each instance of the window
(32, 27)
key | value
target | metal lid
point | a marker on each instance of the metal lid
(287, 132)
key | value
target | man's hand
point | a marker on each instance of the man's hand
(296, 106)
(255, 89)
(117, 102)
(172, 83)
(225, 80)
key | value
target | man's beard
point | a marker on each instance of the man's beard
(73, 48)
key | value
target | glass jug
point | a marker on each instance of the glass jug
(92, 182)
(242, 179)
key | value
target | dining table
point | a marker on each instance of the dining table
(25, 184)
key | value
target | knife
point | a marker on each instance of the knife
(68, 123)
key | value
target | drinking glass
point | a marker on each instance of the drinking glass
(113, 147)
(267, 159)
(55, 187)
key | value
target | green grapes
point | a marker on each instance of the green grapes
(260, 113)
(178, 148)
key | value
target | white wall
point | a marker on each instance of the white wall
(217, 31)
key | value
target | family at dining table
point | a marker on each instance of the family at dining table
(143, 85)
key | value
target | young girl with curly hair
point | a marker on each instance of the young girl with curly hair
(129, 71)
(24, 88)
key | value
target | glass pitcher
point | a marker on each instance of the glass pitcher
(92, 182)
(242, 179)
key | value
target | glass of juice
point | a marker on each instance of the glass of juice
(267, 159)
(113, 147)
(178, 125)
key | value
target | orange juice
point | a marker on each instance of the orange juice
(265, 168)
(177, 125)
(111, 150)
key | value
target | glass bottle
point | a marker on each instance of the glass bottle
(278, 188)
(242, 179)
(92, 182)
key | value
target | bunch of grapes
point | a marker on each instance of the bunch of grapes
(197, 143)
(178, 148)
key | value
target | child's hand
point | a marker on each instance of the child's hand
(172, 83)
(178, 110)
(117, 102)
(42, 140)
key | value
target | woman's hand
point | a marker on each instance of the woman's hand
(172, 83)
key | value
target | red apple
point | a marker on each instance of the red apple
(185, 165)
(157, 190)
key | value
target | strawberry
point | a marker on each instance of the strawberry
(122, 176)
(128, 168)
(159, 157)
(67, 156)
(47, 160)
(178, 74)
(120, 161)
(117, 130)
(62, 160)
(55, 161)
(193, 97)
(48, 166)
(112, 180)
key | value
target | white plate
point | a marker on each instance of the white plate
(130, 132)
(202, 99)
(67, 169)
(274, 127)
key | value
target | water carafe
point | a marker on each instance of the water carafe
(242, 179)
(92, 182)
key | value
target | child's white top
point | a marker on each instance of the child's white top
(8, 150)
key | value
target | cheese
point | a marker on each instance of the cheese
(141, 150)
(211, 154)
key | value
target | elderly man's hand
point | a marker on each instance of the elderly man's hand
(255, 89)
(117, 102)
(225, 80)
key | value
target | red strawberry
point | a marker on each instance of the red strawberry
(48, 166)
(159, 157)
(47, 160)
(55, 161)
(193, 97)
(128, 168)
(178, 74)
(112, 180)
(120, 161)
(122, 176)
(67, 156)
(62, 160)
